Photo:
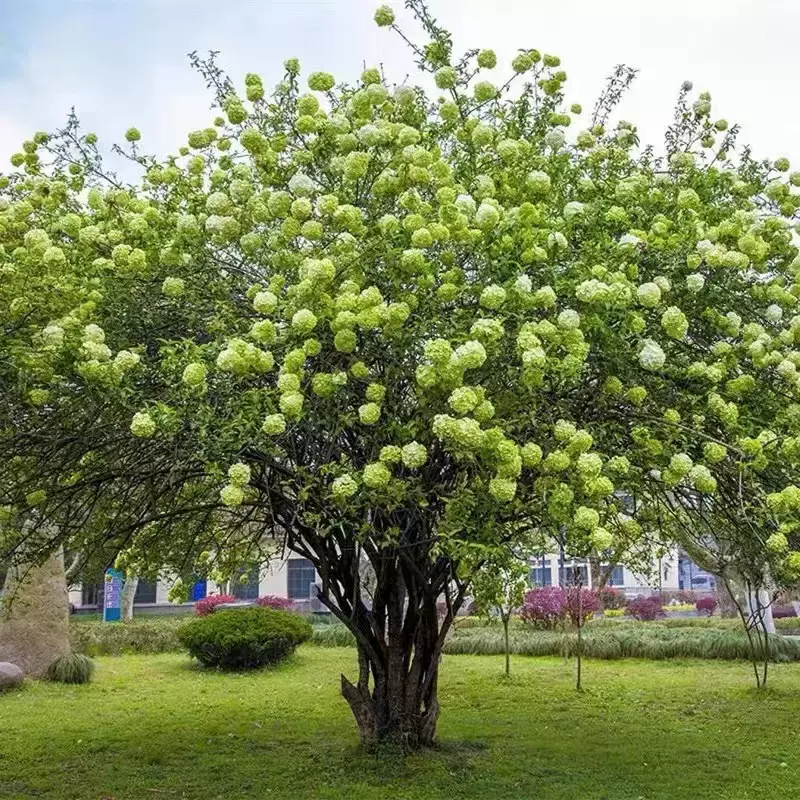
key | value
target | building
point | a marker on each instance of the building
(294, 577)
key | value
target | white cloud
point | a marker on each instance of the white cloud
(125, 64)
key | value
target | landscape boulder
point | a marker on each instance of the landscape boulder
(10, 675)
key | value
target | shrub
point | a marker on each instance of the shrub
(614, 612)
(581, 602)
(706, 605)
(244, 638)
(72, 668)
(783, 612)
(543, 608)
(141, 636)
(611, 598)
(645, 609)
(207, 605)
(273, 601)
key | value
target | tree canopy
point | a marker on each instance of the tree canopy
(400, 327)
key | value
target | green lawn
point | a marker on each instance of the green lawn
(156, 727)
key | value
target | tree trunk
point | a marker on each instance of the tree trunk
(399, 621)
(128, 596)
(506, 618)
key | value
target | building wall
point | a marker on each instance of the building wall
(273, 579)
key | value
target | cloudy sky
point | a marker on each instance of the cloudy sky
(123, 62)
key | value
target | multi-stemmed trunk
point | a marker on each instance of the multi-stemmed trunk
(399, 602)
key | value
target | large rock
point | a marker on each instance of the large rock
(34, 616)
(10, 675)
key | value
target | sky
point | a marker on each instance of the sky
(124, 62)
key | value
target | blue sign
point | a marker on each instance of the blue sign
(112, 597)
(199, 591)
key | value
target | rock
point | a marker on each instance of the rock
(10, 675)
(34, 616)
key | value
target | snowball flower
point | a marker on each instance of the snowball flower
(651, 356)
(569, 319)
(523, 284)
(573, 209)
(239, 474)
(94, 333)
(554, 138)
(502, 489)
(343, 487)
(470, 355)
(53, 335)
(369, 413)
(291, 404)
(493, 296)
(463, 400)
(589, 465)
(445, 77)
(414, 455)
(390, 454)
(304, 321)
(301, 185)
(539, 182)
(231, 495)
(674, 322)
(774, 313)
(125, 359)
(695, 282)
(680, 464)
(601, 539)
(376, 475)
(702, 479)
(648, 295)
(274, 424)
(173, 287)
(143, 425)
(586, 519)
(265, 302)
(714, 453)
(777, 542)
(487, 217)
(531, 454)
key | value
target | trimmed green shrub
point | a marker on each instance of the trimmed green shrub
(247, 638)
(72, 668)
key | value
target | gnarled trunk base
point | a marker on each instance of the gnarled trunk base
(380, 722)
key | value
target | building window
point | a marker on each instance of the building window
(92, 594)
(617, 577)
(245, 585)
(572, 575)
(540, 573)
(145, 593)
(301, 577)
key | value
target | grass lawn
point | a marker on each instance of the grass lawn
(156, 727)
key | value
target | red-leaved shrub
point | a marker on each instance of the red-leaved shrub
(645, 609)
(207, 605)
(706, 605)
(544, 608)
(782, 612)
(581, 602)
(273, 601)
(610, 598)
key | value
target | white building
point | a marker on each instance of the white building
(294, 577)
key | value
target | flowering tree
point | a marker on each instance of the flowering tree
(500, 588)
(400, 330)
